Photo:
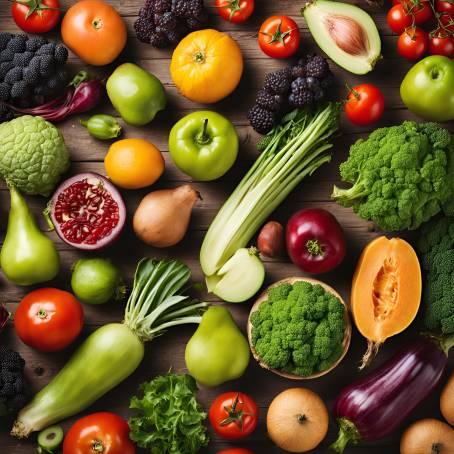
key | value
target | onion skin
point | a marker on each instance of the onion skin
(373, 407)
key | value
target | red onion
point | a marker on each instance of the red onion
(82, 95)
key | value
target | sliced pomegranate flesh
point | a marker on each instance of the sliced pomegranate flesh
(86, 213)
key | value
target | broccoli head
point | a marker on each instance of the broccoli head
(436, 249)
(401, 175)
(299, 329)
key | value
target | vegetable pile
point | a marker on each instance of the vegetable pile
(169, 418)
(401, 175)
(299, 328)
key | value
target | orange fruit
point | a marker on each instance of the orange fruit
(133, 163)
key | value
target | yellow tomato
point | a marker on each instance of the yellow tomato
(206, 66)
(133, 163)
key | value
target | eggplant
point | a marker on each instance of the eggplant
(374, 406)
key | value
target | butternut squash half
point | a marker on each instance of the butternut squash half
(386, 291)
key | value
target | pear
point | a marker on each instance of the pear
(218, 351)
(27, 257)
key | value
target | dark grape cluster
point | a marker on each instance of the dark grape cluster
(32, 70)
(164, 22)
(300, 85)
(13, 389)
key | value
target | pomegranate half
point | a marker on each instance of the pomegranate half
(87, 211)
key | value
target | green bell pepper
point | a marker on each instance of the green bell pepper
(204, 145)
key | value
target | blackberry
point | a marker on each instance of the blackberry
(5, 90)
(158, 40)
(278, 82)
(23, 59)
(166, 20)
(194, 24)
(46, 49)
(299, 84)
(46, 66)
(33, 44)
(317, 66)
(159, 6)
(269, 101)
(17, 44)
(187, 8)
(319, 95)
(20, 89)
(6, 55)
(173, 36)
(13, 75)
(4, 68)
(301, 98)
(298, 71)
(261, 120)
(4, 40)
(327, 81)
(52, 83)
(142, 29)
(61, 53)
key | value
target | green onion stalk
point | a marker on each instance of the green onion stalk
(114, 351)
(294, 149)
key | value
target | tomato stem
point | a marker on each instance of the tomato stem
(278, 35)
(235, 415)
(97, 446)
(42, 313)
(233, 6)
(35, 6)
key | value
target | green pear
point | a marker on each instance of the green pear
(27, 257)
(218, 351)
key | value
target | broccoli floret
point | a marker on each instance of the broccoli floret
(436, 249)
(299, 328)
(401, 175)
(13, 391)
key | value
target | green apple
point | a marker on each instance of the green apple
(428, 88)
(136, 94)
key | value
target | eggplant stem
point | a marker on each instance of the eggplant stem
(348, 433)
(371, 353)
(446, 343)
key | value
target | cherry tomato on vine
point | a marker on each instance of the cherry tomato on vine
(444, 6)
(440, 43)
(413, 43)
(398, 19)
(236, 11)
(421, 10)
(365, 104)
(48, 319)
(234, 415)
(36, 16)
(102, 432)
(448, 21)
(279, 37)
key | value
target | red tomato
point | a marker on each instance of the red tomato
(315, 240)
(236, 451)
(440, 43)
(398, 19)
(413, 43)
(234, 415)
(279, 37)
(36, 16)
(236, 11)
(444, 6)
(365, 104)
(49, 319)
(421, 10)
(103, 432)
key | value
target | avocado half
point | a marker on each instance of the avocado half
(346, 33)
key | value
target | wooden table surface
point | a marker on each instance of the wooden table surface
(168, 351)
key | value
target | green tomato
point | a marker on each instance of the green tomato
(136, 94)
(96, 281)
(428, 88)
(204, 145)
(103, 127)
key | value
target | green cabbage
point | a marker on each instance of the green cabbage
(33, 154)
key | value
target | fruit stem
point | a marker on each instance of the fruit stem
(315, 248)
(301, 418)
(278, 35)
(203, 138)
(348, 433)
